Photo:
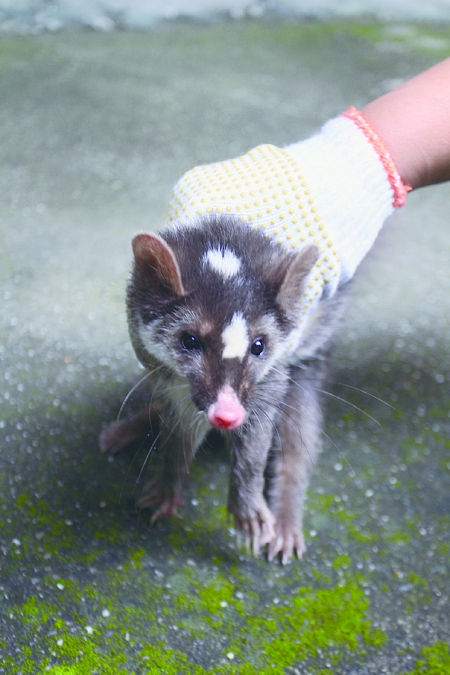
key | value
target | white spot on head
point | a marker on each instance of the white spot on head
(235, 338)
(222, 261)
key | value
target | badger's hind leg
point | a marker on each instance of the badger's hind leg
(297, 444)
(119, 435)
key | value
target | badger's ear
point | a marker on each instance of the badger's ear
(290, 293)
(156, 263)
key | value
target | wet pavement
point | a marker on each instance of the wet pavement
(95, 129)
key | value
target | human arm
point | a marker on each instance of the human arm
(355, 172)
(414, 122)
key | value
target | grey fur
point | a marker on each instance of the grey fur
(172, 294)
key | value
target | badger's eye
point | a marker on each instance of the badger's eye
(257, 347)
(190, 342)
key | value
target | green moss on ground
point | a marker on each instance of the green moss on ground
(262, 636)
(435, 660)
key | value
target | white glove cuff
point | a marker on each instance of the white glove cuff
(354, 182)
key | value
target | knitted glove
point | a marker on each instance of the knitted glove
(335, 189)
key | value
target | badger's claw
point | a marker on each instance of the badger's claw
(285, 543)
(164, 500)
(258, 529)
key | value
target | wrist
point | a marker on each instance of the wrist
(399, 189)
(413, 121)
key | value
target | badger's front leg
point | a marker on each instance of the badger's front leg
(299, 429)
(246, 502)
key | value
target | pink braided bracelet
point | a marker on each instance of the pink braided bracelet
(399, 189)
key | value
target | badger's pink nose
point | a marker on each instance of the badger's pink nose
(227, 411)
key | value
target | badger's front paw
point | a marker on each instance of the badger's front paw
(257, 525)
(287, 541)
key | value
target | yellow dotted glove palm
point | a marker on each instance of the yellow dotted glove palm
(266, 189)
(334, 189)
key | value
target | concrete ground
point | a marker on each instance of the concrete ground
(35, 16)
(95, 129)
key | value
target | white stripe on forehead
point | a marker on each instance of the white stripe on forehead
(224, 261)
(235, 338)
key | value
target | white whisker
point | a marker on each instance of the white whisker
(329, 439)
(133, 389)
(362, 391)
(158, 436)
(339, 398)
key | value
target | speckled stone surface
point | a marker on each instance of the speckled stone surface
(95, 129)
